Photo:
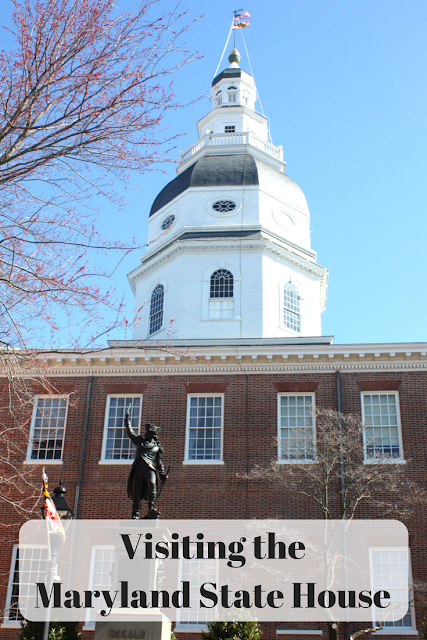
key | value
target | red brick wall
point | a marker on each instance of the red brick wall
(250, 429)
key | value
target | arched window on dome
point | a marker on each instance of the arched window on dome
(232, 94)
(291, 307)
(156, 308)
(218, 98)
(221, 300)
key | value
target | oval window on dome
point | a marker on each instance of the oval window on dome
(284, 220)
(167, 222)
(224, 206)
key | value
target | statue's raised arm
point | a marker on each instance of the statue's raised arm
(136, 439)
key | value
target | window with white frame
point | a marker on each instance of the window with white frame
(218, 97)
(204, 428)
(117, 447)
(156, 308)
(296, 427)
(232, 94)
(388, 566)
(221, 301)
(196, 572)
(101, 577)
(382, 434)
(230, 128)
(48, 428)
(32, 562)
(291, 307)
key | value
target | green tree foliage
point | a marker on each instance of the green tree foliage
(57, 631)
(235, 630)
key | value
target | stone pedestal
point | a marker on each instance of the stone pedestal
(151, 625)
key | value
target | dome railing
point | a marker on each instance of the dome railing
(228, 139)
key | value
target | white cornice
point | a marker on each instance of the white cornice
(240, 246)
(231, 360)
(232, 369)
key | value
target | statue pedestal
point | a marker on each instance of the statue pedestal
(149, 625)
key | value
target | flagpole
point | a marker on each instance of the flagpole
(234, 18)
(54, 539)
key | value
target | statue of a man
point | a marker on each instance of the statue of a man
(142, 481)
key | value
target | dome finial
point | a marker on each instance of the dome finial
(234, 58)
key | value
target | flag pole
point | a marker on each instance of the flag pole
(234, 18)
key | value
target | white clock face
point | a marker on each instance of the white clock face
(284, 220)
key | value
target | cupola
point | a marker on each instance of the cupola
(233, 86)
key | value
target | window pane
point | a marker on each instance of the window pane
(101, 578)
(387, 569)
(204, 434)
(382, 440)
(156, 308)
(33, 566)
(296, 432)
(48, 428)
(291, 307)
(118, 445)
(221, 281)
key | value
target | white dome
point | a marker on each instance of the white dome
(275, 182)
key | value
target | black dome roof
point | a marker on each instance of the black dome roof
(210, 171)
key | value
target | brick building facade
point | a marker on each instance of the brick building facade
(248, 381)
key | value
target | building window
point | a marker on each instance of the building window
(196, 572)
(167, 222)
(33, 565)
(48, 428)
(389, 569)
(230, 128)
(222, 284)
(221, 302)
(296, 427)
(291, 307)
(101, 577)
(156, 308)
(224, 206)
(218, 97)
(232, 94)
(204, 428)
(382, 435)
(117, 446)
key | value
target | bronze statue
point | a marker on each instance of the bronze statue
(142, 481)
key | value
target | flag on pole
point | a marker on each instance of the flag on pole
(240, 25)
(50, 513)
(242, 16)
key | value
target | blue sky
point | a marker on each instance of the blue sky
(344, 86)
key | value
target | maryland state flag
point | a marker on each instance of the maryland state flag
(50, 513)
